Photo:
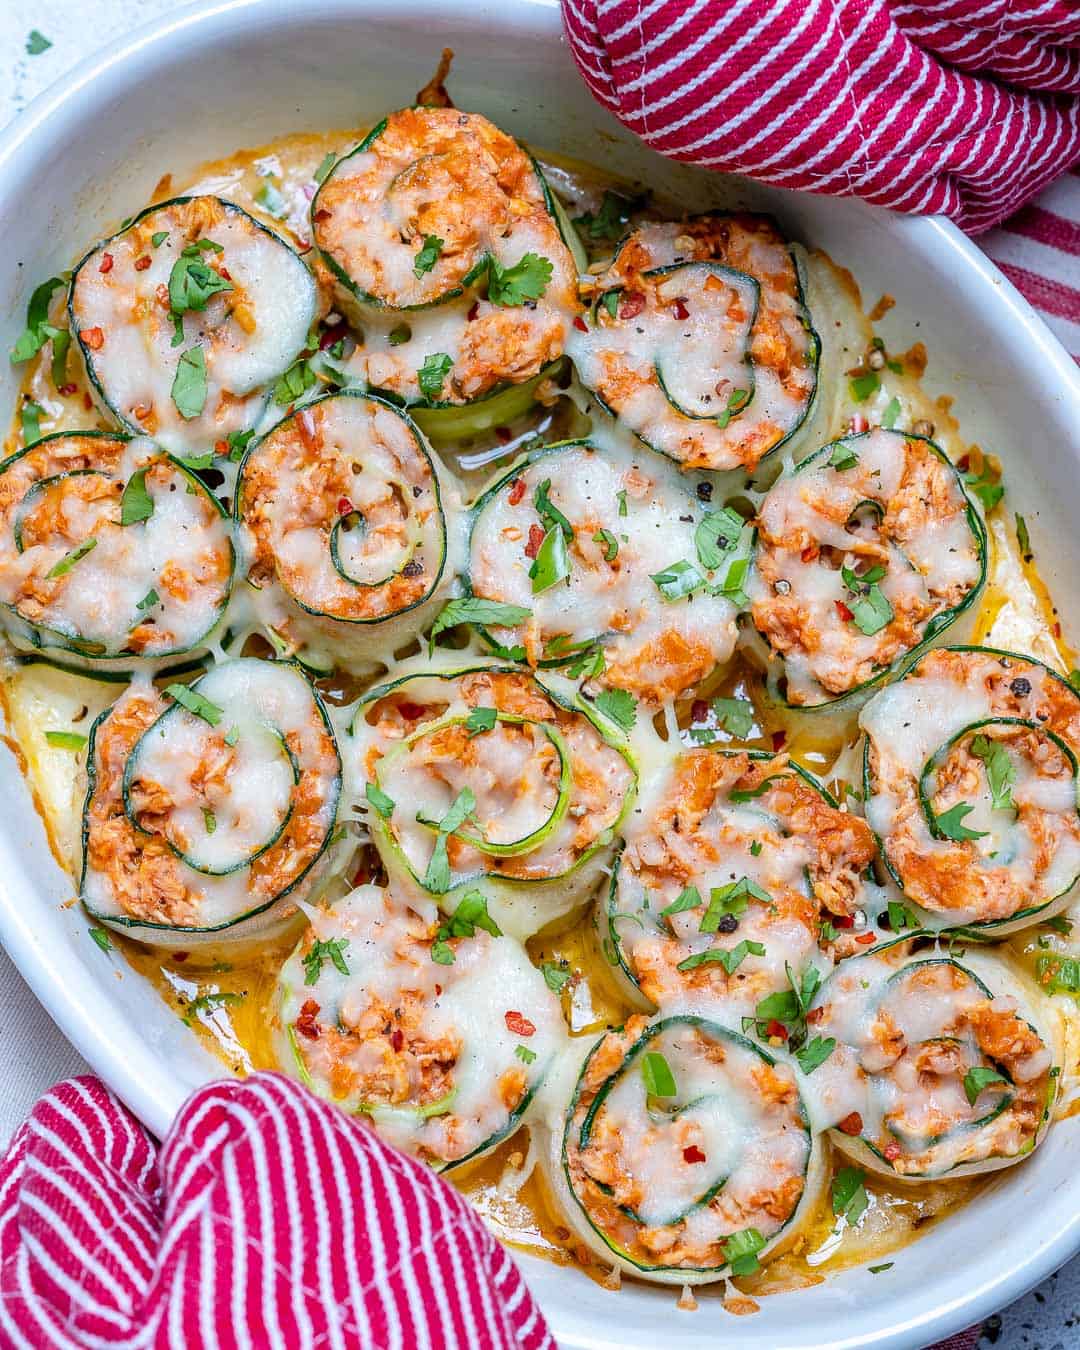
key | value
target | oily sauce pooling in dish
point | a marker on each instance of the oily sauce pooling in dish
(479, 638)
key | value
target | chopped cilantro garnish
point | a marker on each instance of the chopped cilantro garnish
(618, 706)
(432, 374)
(849, 1198)
(428, 255)
(136, 504)
(656, 1071)
(333, 950)
(379, 800)
(524, 280)
(189, 383)
(949, 824)
(194, 702)
(978, 1078)
(480, 719)
(65, 740)
(68, 561)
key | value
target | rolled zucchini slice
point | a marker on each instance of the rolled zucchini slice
(187, 316)
(719, 895)
(210, 804)
(110, 550)
(866, 551)
(942, 1067)
(608, 550)
(439, 232)
(343, 502)
(700, 341)
(970, 777)
(481, 776)
(442, 1042)
(687, 1152)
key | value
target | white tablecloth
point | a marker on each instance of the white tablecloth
(33, 1053)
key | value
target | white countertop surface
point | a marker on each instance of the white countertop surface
(33, 1053)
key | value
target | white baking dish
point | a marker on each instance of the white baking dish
(210, 79)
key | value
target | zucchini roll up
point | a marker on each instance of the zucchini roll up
(970, 768)
(721, 890)
(621, 567)
(942, 1067)
(442, 1042)
(343, 503)
(687, 1152)
(700, 342)
(186, 317)
(209, 804)
(110, 549)
(866, 551)
(445, 248)
(482, 777)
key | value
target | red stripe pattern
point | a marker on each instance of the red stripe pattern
(884, 100)
(267, 1218)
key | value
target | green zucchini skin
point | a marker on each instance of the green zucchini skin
(354, 637)
(878, 975)
(856, 696)
(98, 381)
(383, 946)
(259, 920)
(44, 642)
(938, 922)
(570, 1141)
(520, 904)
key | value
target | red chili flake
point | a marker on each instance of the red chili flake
(679, 310)
(778, 739)
(580, 324)
(631, 304)
(775, 1028)
(517, 491)
(322, 213)
(438, 990)
(141, 264)
(859, 423)
(474, 311)
(519, 1025)
(94, 338)
(412, 712)
(180, 956)
(162, 294)
(67, 389)
(843, 611)
(699, 710)
(344, 506)
(88, 402)
(397, 1039)
(814, 1016)
(504, 435)
(305, 1023)
(1057, 630)
(692, 1154)
(843, 921)
(224, 272)
(809, 553)
(850, 1124)
(963, 462)
(106, 263)
(221, 447)
(333, 335)
(865, 939)
(892, 1151)
(536, 538)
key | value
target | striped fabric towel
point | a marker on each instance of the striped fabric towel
(266, 1218)
(965, 107)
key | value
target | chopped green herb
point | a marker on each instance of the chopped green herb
(209, 820)
(871, 612)
(618, 706)
(189, 383)
(950, 824)
(36, 43)
(194, 702)
(68, 561)
(432, 374)
(986, 488)
(158, 238)
(402, 333)
(864, 386)
(1058, 974)
(38, 330)
(1022, 538)
(610, 543)
(737, 400)
(61, 343)
(611, 219)
(476, 611)
(480, 719)
(101, 938)
(1000, 771)
(731, 899)
(716, 532)
(731, 588)
(294, 384)
(740, 1251)
(471, 914)
(815, 1053)
(327, 163)
(379, 800)
(885, 1265)
(270, 198)
(552, 562)
(437, 877)
(548, 512)
(900, 917)
(232, 736)
(238, 442)
(136, 504)
(849, 1198)
(730, 960)
(442, 953)
(678, 580)
(428, 255)
(65, 740)
(524, 1054)
(655, 1070)
(889, 416)
(332, 950)
(1059, 924)
(829, 932)
(610, 301)
(31, 422)
(555, 977)
(688, 898)
(193, 283)
(843, 457)
(755, 848)
(975, 1080)
(735, 715)
(209, 1003)
(621, 497)
(525, 280)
